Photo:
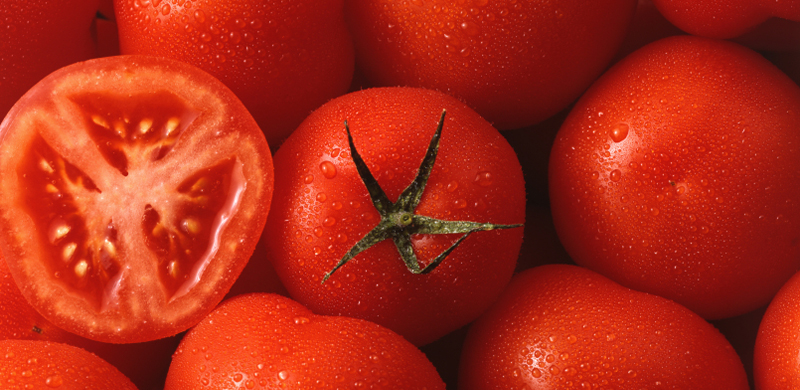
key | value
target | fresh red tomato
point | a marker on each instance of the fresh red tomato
(566, 327)
(268, 341)
(677, 174)
(283, 59)
(134, 191)
(38, 37)
(29, 364)
(725, 19)
(324, 214)
(515, 62)
(777, 346)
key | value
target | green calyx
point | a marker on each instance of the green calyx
(398, 221)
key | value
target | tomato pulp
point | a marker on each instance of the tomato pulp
(134, 191)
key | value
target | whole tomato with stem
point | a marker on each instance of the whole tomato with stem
(282, 58)
(566, 327)
(39, 37)
(267, 341)
(391, 210)
(134, 191)
(515, 62)
(678, 174)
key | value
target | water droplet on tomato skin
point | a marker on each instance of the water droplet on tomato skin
(328, 169)
(619, 132)
(54, 381)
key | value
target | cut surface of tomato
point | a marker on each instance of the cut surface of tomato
(135, 190)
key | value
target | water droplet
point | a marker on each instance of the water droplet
(199, 16)
(165, 9)
(308, 179)
(460, 203)
(328, 169)
(321, 197)
(619, 132)
(54, 381)
(615, 175)
(470, 28)
(283, 375)
(452, 186)
(484, 179)
(329, 221)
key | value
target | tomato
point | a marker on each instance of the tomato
(515, 63)
(39, 37)
(270, 341)
(777, 345)
(29, 364)
(322, 209)
(282, 59)
(134, 191)
(725, 19)
(678, 174)
(563, 326)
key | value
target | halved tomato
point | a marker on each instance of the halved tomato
(134, 190)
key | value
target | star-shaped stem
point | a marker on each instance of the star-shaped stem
(398, 221)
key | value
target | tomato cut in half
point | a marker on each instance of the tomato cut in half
(134, 192)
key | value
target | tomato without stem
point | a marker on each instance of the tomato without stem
(563, 326)
(777, 346)
(324, 213)
(39, 37)
(135, 189)
(725, 19)
(282, 59)
(678, 174)
(267, 341)
(515, 62)
(28, 364)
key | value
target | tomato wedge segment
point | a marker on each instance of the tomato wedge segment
(134, 192)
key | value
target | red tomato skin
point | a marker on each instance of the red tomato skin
(564, 327)
(777, 346)
(142, 307)
(29, 364)
(515, 63)
(39, 37)
(315, 218)
(268, 341)
(697, 202)
(725, 18)
(282, 59)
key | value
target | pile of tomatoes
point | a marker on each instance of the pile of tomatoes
(415, 194)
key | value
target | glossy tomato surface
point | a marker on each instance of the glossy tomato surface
(678, 174)
(322, 208)
(134, 191)
(38, 37)
(281, 58)
(777, 345)
(267, 341)
(725, 18)
(566, 327)
(515, 62)
(29, 364)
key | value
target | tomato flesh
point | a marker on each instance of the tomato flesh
(153, 200)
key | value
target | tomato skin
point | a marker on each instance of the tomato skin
(725, 19)
(131, 203)
(777, 346)
(316, 218)
(39, 37)
(563, 326)
(272, 342)
(30, 364)
(697, 202)
(515, 63)
(282, 59)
